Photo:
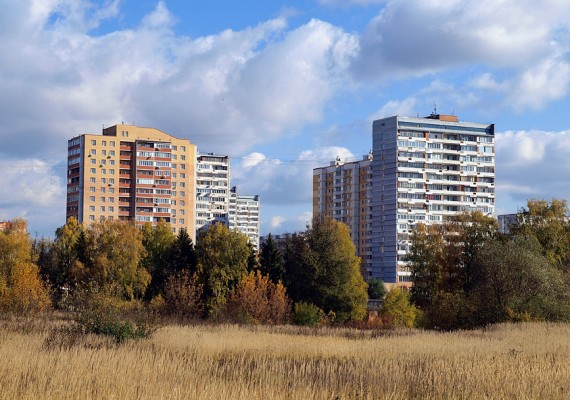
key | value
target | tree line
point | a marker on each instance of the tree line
(467, 274)
(219, 277)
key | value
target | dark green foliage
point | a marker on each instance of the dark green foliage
(252, 260)
(322, 268)
(271, 261)
(159, 243)
(376, 289)
(183, 254)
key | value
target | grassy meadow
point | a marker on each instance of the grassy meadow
(514, 361)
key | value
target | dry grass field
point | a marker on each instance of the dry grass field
(525, 361)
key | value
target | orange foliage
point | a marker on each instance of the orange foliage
(24, 292)
(256, 299)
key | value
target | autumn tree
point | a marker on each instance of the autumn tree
(256, 299)
(114, 254)
(442, 259)
(21, 287)
(376, 288)
(222, 261)
(271, 260)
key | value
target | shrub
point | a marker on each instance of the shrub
(183, 296)
(398, 307)
(121, 320)
(24, 292)
(306, 314)
(256, 299)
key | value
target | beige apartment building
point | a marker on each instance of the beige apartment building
(132, 173)
(343, 191)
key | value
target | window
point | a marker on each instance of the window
(183, 157)
(104, 152)
(102, 199)
(91, 198)
(102, 218)
(102, 208)
(92, 188)
(92, 180)
(173, 220)
(181, 221)
(93, 152)
(112, 145)
(182, 194)
(93, 161)
(103, 171)
(111, 190)
(183, 166)
(111, 209)
(93, 143)
(103, 162)
(111, 180)
(103, 190)
(91, 218)
(111, 199)
(111, 162)
(182, 203)
(91, 208)
(112, 171)
(181, 212)
(104, 143)
(182, 184)
(182, 148)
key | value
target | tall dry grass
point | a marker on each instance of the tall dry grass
(525, 361)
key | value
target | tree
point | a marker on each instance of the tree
(442, 259)
(252, 260)
(256, 299)
(398, 309)
(159, 244)
(517, 282)
(549, 224)
(21, 287)
(376, 289)
(322, 268)
(114, 254)
(271, 261)
(222, 261)
(183, 253)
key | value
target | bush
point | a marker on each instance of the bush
(398, 307)
(121, 320)
(257, 300)
(306, 314)
(24, 292)
(183, 296)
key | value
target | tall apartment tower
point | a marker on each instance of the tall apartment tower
(343, 191)
(212, 190)
(131, 173)
(244, 216)
(425, 170)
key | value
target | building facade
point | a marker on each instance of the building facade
(132, 173)
(244, 216)
(425, 170)
(212, 190)
(343, 191)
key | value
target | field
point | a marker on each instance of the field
(524, 361)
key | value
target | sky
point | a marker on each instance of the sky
(281, 87)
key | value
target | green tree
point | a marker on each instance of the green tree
(376, 289)
(271, 261)
(183, 253)
(325, 270)
(398, 309)
(517, 282)
(252, 259)
(114, 254)
(159, 242)
(222, 261)
(549, 224)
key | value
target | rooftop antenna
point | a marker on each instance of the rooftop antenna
(453, 111)
(434, 109)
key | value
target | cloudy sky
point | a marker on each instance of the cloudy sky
(280, 86)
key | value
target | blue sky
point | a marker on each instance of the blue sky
(281, 87)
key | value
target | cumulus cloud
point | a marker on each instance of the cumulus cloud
(531, 164)
(285, 182)
(287, 224)
(404, 107)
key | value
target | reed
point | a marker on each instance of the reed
(523, 361)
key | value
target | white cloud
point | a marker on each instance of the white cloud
(348, 3)
(531, 164)
(414, 38)
(276, 221)
(406, 107)
(252, 160)
(287, 224)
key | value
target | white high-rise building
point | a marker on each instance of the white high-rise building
(244, 216)
(425, 170)
(212, 190)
